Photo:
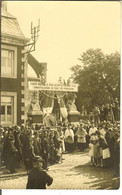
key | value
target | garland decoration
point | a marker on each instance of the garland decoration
(59, 97)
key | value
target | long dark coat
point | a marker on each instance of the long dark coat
(38, 179)
(11, 156)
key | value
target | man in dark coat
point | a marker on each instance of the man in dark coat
(45, 149)
(11, 154)
(38, 178)
(29, 155)
(18, 146)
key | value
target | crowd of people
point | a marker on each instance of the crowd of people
(108, 112)
(20, 144)
(104, 145)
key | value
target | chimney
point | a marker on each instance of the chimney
(4, 5)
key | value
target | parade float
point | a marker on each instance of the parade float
(52, 102)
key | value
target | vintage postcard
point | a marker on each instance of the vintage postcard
(60, 95)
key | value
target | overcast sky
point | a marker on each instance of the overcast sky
(67, 29)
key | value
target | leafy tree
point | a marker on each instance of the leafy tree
(98, 76)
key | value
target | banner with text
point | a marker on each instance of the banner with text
(36, 86)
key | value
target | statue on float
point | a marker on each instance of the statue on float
(73, 114)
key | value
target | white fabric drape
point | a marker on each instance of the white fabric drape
(48, 104)
(63, 108)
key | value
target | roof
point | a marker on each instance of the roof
(10, 26)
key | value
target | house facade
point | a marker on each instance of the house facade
(14, 64)
(13, 70)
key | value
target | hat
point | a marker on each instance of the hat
(81, 123)
(104, 122)
(11, 137)
(2, 129)
(11, 128)
(116, 129)
(110, 129)
(17, 132)
(38, 159)
(18, 128)
(52, 129)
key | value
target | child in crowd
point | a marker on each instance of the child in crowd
(59, 152)
(93, 149)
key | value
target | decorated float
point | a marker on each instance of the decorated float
(52, 102)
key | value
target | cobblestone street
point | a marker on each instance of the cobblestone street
(74, 173)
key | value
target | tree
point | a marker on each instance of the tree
(98, 77)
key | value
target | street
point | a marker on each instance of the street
(74, 172)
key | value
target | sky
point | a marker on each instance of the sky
(67, 29)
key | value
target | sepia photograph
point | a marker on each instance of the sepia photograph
(60, 95)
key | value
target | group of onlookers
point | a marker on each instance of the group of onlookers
(20, 144)
(104, 145)
(109, 112)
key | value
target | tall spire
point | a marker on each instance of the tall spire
(4, 5)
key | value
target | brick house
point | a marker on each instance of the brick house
(13, 70)
(14, 65)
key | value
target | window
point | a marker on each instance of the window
(8, 108)
(8, 61)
